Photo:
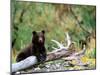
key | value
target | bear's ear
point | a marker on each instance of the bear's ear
(43, 31)
(34, 32)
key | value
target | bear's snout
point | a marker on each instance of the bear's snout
(40, 40)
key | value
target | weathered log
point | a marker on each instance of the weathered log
(29, 61)
(59, 54)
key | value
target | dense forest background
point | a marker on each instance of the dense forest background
(55, 19)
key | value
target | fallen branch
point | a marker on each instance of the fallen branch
(61, 46)
(62, 51)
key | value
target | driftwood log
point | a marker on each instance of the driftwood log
(29, 61)
(63, 51)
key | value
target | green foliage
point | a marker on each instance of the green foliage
(87, 15)
(41, 16)
(91, 53)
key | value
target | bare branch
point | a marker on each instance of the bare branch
(68, 40)
(61, 47)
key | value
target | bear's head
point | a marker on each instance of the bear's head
(38, 38)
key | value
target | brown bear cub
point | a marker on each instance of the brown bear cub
(36, 48)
